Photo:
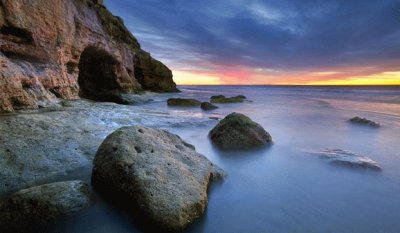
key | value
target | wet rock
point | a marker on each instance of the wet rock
(206, 106)
(43, 147)
(29, 208)
(87, 52)
(217, 97)
(348, 159)
(222, 99)
(237, 131)
(364, 121)
(156, 172)
(47, 145)
(179, 102)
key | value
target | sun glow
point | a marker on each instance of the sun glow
(384, 78)
(255, 77)
(192, 78)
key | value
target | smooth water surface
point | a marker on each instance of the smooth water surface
(284, 188)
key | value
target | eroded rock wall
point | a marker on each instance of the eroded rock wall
(41, 44)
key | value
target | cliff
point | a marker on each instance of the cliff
(69, 49)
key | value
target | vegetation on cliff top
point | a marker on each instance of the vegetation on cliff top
(114, 25)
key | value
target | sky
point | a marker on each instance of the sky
(299, 42)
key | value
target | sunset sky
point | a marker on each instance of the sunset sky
(269, 41)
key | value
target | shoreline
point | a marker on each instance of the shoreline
(75, 129)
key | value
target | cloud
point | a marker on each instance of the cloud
(283, 35)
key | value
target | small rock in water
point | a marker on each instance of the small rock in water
(157, 173)
(364, 121)
(347, 158)
(237, 131)
(208, 106)
(240, 96)
(221, 99)
(183, 102)
(28, 208)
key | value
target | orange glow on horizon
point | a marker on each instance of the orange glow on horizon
(384, 78)
(191, 78)
(254, 77)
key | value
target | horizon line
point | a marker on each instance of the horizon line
(338, 85)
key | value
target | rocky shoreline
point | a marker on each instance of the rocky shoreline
(59, 142)
(66, 84)
(86, 52)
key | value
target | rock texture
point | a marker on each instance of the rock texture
(348, 159)
(67, 49)
(48, 146)
(364, 121)
(162, 176)
(237, 131)
(27, 208)
(60, 141)
(183, 102)
(221, 99)
(206, 106)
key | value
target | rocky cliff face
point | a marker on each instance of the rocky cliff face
(69, 49)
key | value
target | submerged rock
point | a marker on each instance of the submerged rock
(349, 159)
(237, 131)
(240, 96)
(222, 99)
(29, 208)
(206, 106)
(183, 102)
(364, 121)
(217, 97)
(156, 172)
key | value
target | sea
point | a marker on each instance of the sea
(284, 187)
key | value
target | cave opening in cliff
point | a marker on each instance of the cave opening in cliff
(98, 73)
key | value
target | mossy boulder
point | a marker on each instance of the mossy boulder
(180, 102)
(238, 132)
(221, 99)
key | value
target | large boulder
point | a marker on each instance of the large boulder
(29, 208)
(237, 131)
(180, 102)
(71, 48)
(161, 176)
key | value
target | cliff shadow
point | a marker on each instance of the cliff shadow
(102, 76)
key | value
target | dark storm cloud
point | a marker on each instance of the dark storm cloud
(282, 35)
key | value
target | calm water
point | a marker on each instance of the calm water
(284, 188)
